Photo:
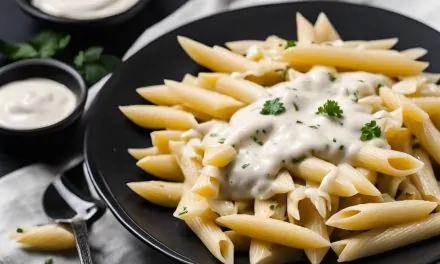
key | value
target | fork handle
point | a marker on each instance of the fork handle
(79, 228)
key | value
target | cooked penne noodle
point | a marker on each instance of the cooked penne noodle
(214, 238)
(383, 44)
(377, 61)
(380, 240)
(149, 116)
(47, 237)
(430, 105)
(197, 114)
(163, 166)
(431, 77)
(408, 191)
(167, 194)
(241, 243)
(243, 90)
(273, 230)
(414, 53)
(209, 80)
(215, 59)
(265, 252)
(311, 169)
(393, 163)
(139, 153)
(190, 79)
(161, 138)
(371, 175)
(361, 183)
(283, 183)
(205, 101)
(400, 139)
(245, 206)
(390, 185)
(242, 46)
(191, 205)
(324, 30)
(206, 186)
(410, 85)
(222, 207)
(219, 156)
(425, 180)
(190, 168)
(304, 30)
(373, 215)
(359, 199)
(158, 94)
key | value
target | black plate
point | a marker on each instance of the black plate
(110, 133)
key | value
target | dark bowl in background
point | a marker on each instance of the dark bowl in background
(27, 7)
(57, 134)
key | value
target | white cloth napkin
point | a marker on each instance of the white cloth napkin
(21, 191)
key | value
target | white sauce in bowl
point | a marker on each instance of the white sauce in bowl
(34, 103)
(83, 9)
(268, 143)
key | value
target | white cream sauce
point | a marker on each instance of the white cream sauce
(34, 103)
(83, 9)
(267, 143)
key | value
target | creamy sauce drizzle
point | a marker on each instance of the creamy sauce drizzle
(34, 103)
(83, 9)
(267, 143)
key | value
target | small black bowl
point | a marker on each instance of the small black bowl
(55, 134)
(27, 7)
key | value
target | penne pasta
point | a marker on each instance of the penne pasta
(373, 215)
(219, 156)
(209, 80)
(243, 90)
(158, 94)
(190, 79)
(414, 53)
(190, 168)
(378, 61)
(324, 30)
(167, 194)
(161, 138)
(139, 153)
(206, 186)
(241, 243)
(242, 46)
(425, 180)
(47, 237)
(304, 30)
(377, 241)
(163, 166)
(273, 230)
(149, 116)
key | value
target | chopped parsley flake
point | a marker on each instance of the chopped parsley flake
(283, 161)
(48, 261)
(256, 140)
(299, 159)
(314, 127)
(334, 140)
(244, 166)
(283, 72)
(331, 77)
(213, 134)
(362, 81)
(379, 85)
(330, 108)
(222, 140)
(264, 131)
(184, 211)
(19, 230)
(272, 206)
(370, 131)
(299, 122)
(341, 147)
(356, 96)
(273, 107)
(296, 106)
(290, 43)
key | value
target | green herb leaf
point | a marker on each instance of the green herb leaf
(370, 131)
(18, 51)
(290, 43)
(273, 107)
(19, 230)
(94, 72)
(298, 159)
(222, 140)
(184, 211)
(283, 72)
(256, 140)
(244, 166)
(330, 108)
(331, 77)
(49, 261)
(213, 134)
(299, 122)
(93, 54)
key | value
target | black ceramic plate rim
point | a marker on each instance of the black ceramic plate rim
(81, 99)
(99, 181)
(27, 6)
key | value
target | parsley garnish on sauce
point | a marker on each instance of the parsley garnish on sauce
(370, 131)
(331, 77)
(256, 140)
(290, 43)
(330, 108)
(244, 166)
(299, 159)
(184, 211)
(273, 107)
(221, 141)
(48, 261)
(19, 230)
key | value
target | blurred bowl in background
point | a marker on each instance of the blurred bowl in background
(29, 8)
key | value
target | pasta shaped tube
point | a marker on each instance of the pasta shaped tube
(242, 90)
(213, 238)
(242, 46)
(190, 168)
(219, 156)
(162, 166)
(305, 30)
(241, 243)
(209, 80)
(161, 138)
(381, 240)
(213, 59)
(324, 30)
(430, 105)
(378, 61)
(46, 237)
(139, 153)
(373, 215)
(205, 101)
(151, 116)
(158, 94)
(162, 193)
(425, 180)
(390, 162)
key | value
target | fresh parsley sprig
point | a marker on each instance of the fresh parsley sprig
(330, 108)
(44, 45)
(370, 131)
(290, 43)
(94, 65)
(273, 107)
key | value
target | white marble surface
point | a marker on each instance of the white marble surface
(20, 203)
